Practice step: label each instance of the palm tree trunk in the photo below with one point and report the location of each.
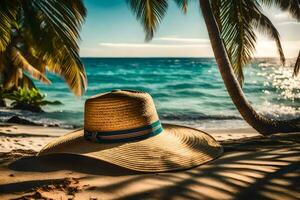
(2, 103)
(262, 124)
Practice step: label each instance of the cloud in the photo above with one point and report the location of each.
(162, 42)
(105, 44)
(268, 48)
(182, 47)
(285, 19)
(151, 45)
(159, 47)
(184, 40)
(290, 23)
(282, 16)
(112, 49)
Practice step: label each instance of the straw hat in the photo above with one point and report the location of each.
(123, 128)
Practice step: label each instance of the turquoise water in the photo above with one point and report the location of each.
(185, 90)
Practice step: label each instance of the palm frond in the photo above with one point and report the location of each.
(21, 62)
(8, 15)
(149, 13)
(291, 6)
(183, 5)
(216, 8)
(2, 65)
(71, 70)
(238, 21)
(11, 75)
(297, 66)
(26, 82)
(55, 41)
(238, 35)
(266, 27)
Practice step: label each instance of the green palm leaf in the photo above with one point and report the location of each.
(266, 27)
(21, 62)
(8, 16)
(216, 8)
(183, 4)
(47, 34)
(149, 13)
(238, 35)
(238, 21)
(26, 82)
(10, 75)
(55, 40)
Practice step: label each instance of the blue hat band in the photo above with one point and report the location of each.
(124, 135)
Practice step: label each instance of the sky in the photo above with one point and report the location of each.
(111, 30)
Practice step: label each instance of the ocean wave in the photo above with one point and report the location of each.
(49, 119)
(266, 64)
(184, 90)
(196, 117)
(72, 119)
(280, 112)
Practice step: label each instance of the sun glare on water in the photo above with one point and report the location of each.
(284, 101)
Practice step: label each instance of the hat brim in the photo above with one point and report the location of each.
(176, 148)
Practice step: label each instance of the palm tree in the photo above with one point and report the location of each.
(237, 22)
(297, 65)
(41, 35)
(240, 19)
(230, 25)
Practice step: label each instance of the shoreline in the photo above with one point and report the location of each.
(199, 121)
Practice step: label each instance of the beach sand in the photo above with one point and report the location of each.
(252, 167)
(15, 136)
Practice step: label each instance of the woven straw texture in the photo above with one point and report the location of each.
(176, 148)
(119, 110)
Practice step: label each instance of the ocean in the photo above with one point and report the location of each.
(186, 91)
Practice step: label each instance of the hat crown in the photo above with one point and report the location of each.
(119, 110)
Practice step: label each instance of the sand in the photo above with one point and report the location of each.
(252, 167)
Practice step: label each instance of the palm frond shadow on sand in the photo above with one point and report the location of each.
(260, 168)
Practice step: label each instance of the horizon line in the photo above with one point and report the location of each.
(124, 57)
